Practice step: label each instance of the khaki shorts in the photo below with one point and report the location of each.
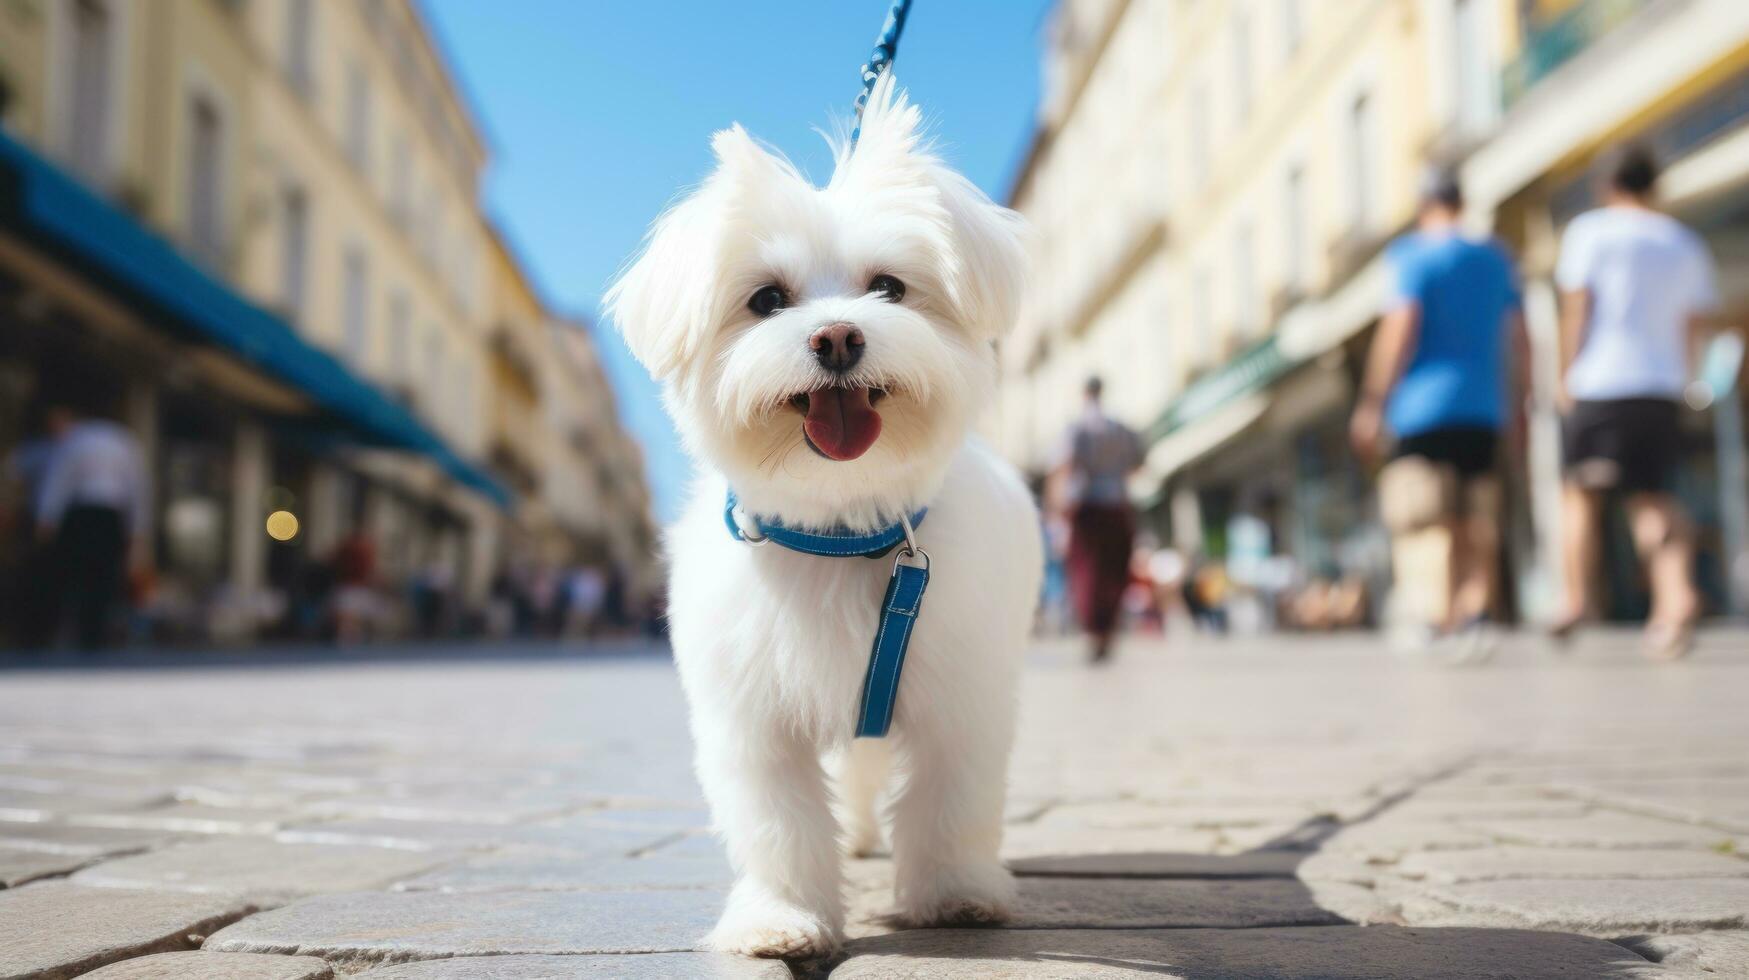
(1416, 493)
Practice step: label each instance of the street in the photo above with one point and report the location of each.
(1267, 807)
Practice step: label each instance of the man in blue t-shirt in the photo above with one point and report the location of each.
(1437, 379)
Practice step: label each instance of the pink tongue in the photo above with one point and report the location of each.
(841, 423)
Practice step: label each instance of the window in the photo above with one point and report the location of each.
(1202, 308)
(355, 316)
(400, 338)
(1292, 29)
(400, 179)
(1361, 146)
(92, 42)
(1294, 230)
(1199, 134)
(434, 356)
(1241, 42)
(298, 32)
(427, 230)
(204, 194)
(358, 116)
(1474, 96)
(1246, 309)
(294, 243)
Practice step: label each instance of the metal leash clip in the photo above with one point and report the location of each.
(910, 550)
(749, 528)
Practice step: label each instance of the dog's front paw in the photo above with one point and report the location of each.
(980, 894)
(772, 929)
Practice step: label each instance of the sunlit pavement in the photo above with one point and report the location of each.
(1263, 807)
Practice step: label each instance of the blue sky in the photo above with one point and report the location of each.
(599, 113)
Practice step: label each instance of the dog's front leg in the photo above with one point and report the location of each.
(947, 829)
(767, 793)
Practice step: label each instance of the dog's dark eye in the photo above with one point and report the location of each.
(891, 290)
(768, 300)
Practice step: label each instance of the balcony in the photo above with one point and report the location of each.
(1549, 45)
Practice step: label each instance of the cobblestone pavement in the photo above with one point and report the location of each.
(1262, 808)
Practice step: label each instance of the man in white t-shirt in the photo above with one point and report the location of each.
(1635, 285)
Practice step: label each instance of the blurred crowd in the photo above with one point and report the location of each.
(1441, 407)
(74, 543)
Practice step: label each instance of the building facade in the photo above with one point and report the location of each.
(1213, 183)
(329, 326)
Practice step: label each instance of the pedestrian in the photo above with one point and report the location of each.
(1437, 381)
(1099, 455)
(586, 596)
(1636, 287)
(356, 607)
(31, 594)
(92, 509)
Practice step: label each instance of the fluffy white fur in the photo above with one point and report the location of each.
(772, 645)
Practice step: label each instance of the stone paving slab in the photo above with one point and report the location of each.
(19, 867)
(1603, 830)
(1514, 861)
(1720, 803)
(215, 966)
(419, 835)
(493, 809)
(1124, 903)
(1390, 840)
(1417, 808)
(689, 846)
(370, 926)
(568, 872)
(52, 929)
(263, 871)
(676, 819)
(1036, 840)
(1133, 815)
(1255, 864)
(30, 806)
(107, 782)
(1609, 907)
(1326, 953)
(648, 966)
(1721, 955)
(191, 818)
(56, 838)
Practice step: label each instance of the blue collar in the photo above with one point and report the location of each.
(898, 609)
(835, 542)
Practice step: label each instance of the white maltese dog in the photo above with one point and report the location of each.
(824, 352)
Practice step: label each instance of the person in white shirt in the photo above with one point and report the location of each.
(92, 505)
(1636, 286)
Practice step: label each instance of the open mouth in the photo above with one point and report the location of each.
(839, 423)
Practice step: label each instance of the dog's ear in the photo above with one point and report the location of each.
(990, 245)
(664, 303)
(661, 302)
(893, 161)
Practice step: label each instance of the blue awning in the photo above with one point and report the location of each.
(58, 213)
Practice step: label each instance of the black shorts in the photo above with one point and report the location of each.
(1469, 450)
(1629, 444)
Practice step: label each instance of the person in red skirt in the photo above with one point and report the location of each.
(1098, 456)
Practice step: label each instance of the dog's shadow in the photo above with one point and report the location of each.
(1211, 917)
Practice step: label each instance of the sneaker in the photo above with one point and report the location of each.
(1475, 642)
(1667, 642)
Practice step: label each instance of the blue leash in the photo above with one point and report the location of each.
(899, 607)
(885, 50)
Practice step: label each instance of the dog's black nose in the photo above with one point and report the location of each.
(837, 346)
